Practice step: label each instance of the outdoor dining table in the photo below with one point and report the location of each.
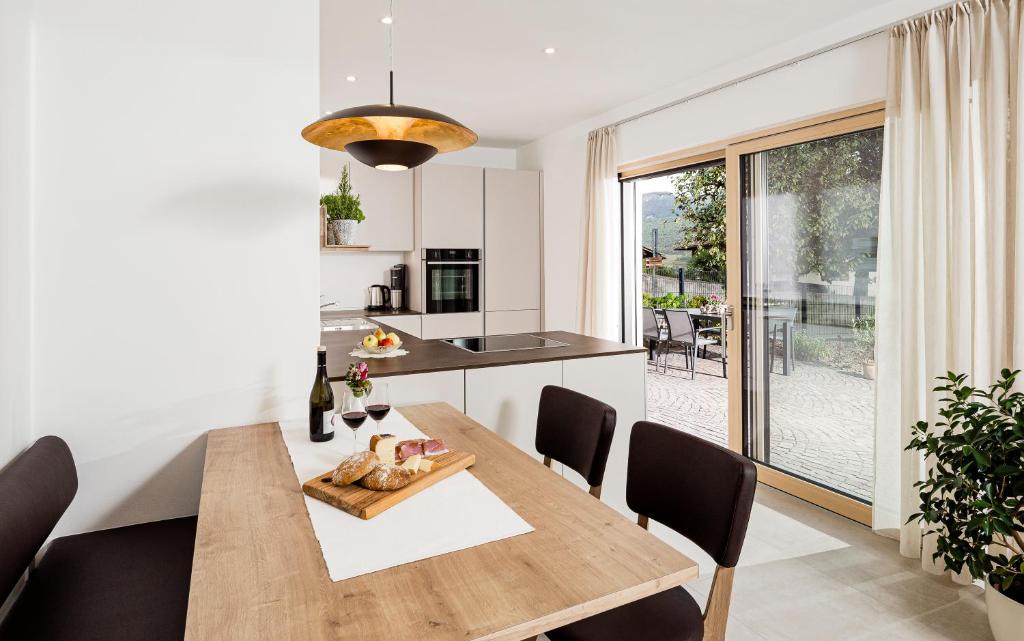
(258, 571)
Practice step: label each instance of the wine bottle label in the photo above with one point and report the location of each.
(329, 422)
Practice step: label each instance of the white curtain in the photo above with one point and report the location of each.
(600, 253)
(951, 233)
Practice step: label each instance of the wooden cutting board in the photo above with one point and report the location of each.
(366, 504)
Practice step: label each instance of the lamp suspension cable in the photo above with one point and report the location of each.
(391, 52)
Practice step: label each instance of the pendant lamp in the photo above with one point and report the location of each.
(389, 137)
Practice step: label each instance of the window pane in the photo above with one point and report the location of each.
(810, 225)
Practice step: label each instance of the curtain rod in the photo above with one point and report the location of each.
(776, 67)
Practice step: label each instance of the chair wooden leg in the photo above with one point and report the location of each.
(641, 520)
(547, 461)
(716, 614)
(595, 491)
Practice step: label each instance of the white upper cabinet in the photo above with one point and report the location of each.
(387, 201)
(451, 207)
(512, 254)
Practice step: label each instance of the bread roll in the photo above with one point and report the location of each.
(387, 477)
(354, 468)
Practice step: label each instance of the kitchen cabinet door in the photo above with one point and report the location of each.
(520, 321)
(452, 325)
(506, 400)
(451, 207)
(409, 324)
(387, 201)
(512, 253)
(619, 381)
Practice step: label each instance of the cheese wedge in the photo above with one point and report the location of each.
(383, 446)
(413, 463)
(426, 465)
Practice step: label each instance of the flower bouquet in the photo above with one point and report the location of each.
(357, 379)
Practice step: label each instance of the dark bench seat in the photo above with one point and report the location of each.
(124, 584)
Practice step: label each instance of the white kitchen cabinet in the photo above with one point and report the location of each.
(387, 201)
(512, 243)
(452, 325)
(411, 389)
(410, 324)
(505, 400)
(620, 382)
(450, 203)
(520, 321)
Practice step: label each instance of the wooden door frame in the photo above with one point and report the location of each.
(842, 122)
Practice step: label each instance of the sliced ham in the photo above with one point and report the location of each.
(434, 447)
(405, 449)
(425, 447)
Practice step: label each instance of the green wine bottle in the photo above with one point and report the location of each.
(321, 402)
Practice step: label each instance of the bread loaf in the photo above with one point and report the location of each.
(354, 468)
(387, 477)
(384, 446)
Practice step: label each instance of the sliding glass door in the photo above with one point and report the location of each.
(805, 215)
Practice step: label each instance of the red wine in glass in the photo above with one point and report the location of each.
(354, 419)
(378, 412)
(379, 403)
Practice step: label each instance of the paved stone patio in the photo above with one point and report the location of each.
(822, 423)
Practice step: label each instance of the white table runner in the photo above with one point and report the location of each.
(456, 513)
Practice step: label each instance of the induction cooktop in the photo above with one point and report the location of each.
(503, 343)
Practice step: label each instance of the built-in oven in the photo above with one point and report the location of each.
(451, 280)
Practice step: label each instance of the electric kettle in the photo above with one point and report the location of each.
(380, 298)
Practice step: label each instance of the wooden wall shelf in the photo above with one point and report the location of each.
(345, 248)
(324, 247)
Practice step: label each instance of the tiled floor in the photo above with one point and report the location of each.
(808, 575)
(834, 447)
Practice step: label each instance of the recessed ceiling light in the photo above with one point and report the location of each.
(549, 50)
(387, 19)
(350, 78)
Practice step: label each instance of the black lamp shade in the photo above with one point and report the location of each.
(391, 154)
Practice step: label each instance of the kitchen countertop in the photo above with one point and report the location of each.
(362, 313)
(437, 356)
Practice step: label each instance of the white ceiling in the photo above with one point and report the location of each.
(482, 62)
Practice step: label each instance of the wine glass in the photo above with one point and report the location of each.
(379, 403)
(353, 413)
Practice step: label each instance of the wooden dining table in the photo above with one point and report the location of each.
(258, 571)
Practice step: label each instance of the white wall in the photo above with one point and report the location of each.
(344, 278)
(846, 76)
(15, 229)
(175, 246)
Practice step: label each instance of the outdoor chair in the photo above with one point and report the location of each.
(683, 338)
(654, 334)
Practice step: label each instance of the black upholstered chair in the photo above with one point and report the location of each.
(123, 584)
(701, 491)
(577, 431)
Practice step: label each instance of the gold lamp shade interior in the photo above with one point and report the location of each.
(389, 122)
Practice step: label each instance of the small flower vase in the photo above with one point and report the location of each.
(344, 231)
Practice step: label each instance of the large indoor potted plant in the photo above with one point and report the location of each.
(973, 497)
(343, 210)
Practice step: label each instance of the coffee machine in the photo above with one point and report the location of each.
(398, 275)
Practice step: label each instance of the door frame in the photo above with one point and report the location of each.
(823, 125)
(842, 122)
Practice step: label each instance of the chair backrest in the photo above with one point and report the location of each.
(576, 430)
(35, 490)
(680, 325)
(651, 323)
(697, 488)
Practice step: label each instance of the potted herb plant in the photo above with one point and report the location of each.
(973, 498)
(864, 331)
(343, 209)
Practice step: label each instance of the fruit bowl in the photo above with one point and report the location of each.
(378, 349)
(380, 343)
